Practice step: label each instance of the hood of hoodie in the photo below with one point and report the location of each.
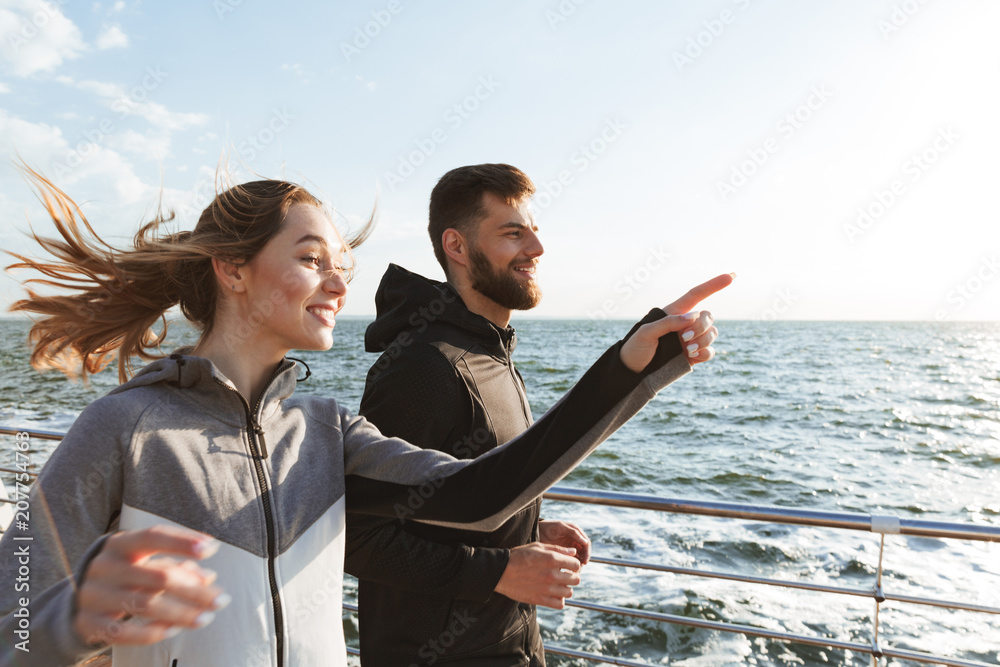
(203, 382)
(408, 302)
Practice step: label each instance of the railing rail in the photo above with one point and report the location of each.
(879, 524)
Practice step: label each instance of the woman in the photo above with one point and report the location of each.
(206, 455)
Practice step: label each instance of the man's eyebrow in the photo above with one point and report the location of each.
(518, 225)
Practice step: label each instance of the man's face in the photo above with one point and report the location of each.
(504, 253)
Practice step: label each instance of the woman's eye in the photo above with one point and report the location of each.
(311, 258)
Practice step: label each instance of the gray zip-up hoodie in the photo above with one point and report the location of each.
(178, 445)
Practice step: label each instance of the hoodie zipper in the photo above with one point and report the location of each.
(258, 451)
(517, 383)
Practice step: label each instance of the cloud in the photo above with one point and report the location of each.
(37, 37)
(50, 152)
(112, 37)
(144, 146)
(126, 102)
(4, 88)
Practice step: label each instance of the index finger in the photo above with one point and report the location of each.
(135, 545)
(696, 295)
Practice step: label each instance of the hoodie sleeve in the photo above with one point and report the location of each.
(399, 397)
(43, 557)
(388, 477)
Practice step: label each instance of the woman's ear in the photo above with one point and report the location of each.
(229, 276)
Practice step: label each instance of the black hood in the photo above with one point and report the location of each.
(406, 301)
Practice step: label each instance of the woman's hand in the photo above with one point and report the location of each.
(129, 597)
(695, 328)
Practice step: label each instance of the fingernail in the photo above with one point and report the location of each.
(172, 632)
(687, 335)
(206, 548)
(204, 618)
(733, 275)
(692, 349)
(222, 601)
(689, 316)
(211, 575)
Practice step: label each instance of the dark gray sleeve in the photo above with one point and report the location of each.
(388, 477)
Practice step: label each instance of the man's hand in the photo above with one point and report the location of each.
(695, 328)
(537, 574)
(565, 534)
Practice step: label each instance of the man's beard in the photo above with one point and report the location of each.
(501, 286)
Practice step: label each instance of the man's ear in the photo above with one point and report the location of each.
(455, 246)
(229, 276)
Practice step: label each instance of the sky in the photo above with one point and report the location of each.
(841, 157)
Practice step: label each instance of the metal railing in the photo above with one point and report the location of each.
(878, 524)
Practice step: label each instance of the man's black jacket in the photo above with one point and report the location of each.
(444, 381)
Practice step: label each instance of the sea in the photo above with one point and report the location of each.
(869, 417)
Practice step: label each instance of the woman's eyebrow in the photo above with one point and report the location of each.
(314, 238)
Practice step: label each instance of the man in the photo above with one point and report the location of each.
(451, 385)
(445, 380)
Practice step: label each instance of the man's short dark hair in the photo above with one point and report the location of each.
(457, 199)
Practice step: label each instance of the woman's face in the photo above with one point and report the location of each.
(296, 285)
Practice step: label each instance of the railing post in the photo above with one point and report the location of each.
(879, 599)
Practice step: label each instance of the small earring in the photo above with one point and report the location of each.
(234, 288)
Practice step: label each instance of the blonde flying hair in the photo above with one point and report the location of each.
(116, 296)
